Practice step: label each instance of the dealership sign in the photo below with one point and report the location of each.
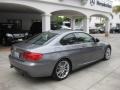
(104, 3)
(92, 2)
(83, 2)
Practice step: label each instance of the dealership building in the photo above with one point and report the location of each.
(116, 20)
(25, 12)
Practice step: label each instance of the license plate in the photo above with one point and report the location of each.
(16, 54)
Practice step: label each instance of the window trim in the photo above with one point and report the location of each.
(64, 37)
(75, 37)
(88, 35)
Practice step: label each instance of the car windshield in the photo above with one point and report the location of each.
(42, 38)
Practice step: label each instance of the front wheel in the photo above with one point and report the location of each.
(61, 70)
(107, 53)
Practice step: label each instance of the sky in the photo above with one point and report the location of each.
(116, 2)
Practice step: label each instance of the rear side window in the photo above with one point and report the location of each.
(68, 39)
(41, 38)
(83, 38)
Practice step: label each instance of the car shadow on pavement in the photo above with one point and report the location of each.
(4, 48)
(38, 80)
(33, 80)
(87, 66)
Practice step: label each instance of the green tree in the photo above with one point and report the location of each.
(66, 18)
(59, 20)
(116, 9)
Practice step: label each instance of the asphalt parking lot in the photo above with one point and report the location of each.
(104, 75)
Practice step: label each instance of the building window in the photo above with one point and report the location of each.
(17, 22)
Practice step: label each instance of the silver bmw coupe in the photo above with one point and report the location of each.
(57, 53)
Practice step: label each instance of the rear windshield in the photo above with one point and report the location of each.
(42, 38)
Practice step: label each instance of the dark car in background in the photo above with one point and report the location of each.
(10, 35)
(115, 30)
(99, 30)
(36, 28)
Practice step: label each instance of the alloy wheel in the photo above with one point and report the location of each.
(108, 54)
(62, 70)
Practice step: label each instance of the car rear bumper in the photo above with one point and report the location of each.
(32, 69)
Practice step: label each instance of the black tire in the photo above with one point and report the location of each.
(107, 54)
(55, 72)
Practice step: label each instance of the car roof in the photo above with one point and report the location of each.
(64, 31)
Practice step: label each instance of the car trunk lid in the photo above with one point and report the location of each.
(20, 48)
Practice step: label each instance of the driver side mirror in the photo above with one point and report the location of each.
(97, 40)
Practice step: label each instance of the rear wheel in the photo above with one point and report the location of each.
(62, 70)
(107, 54)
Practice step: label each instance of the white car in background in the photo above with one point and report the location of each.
(63, 27)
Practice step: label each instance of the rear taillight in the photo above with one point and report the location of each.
(30, 56)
